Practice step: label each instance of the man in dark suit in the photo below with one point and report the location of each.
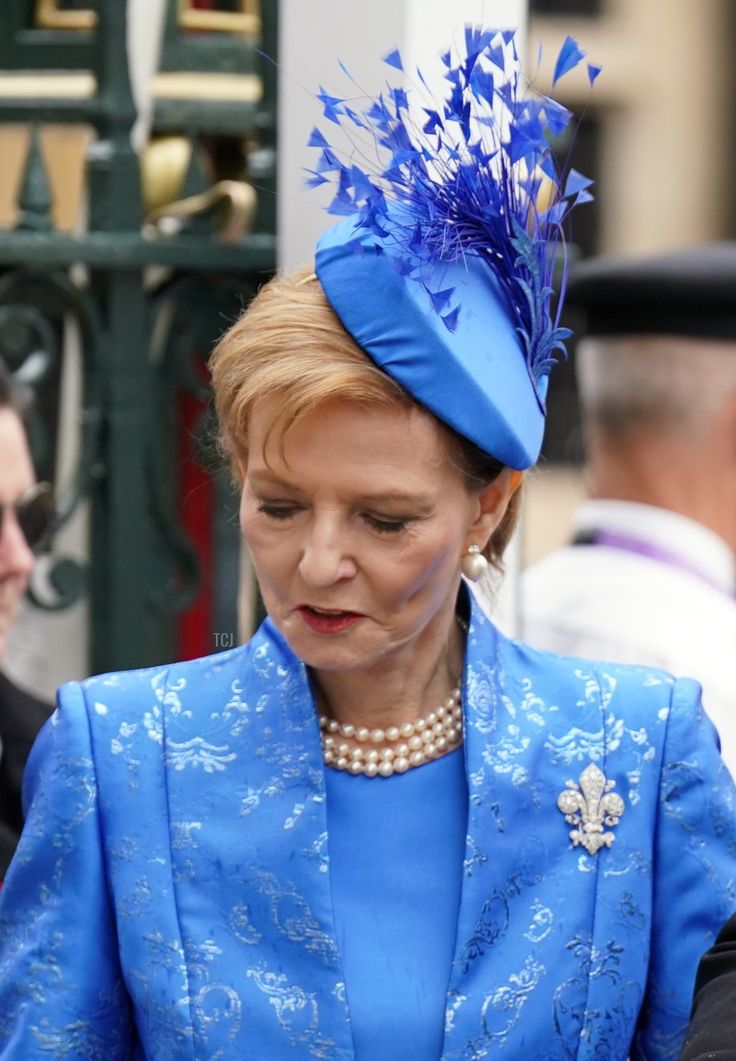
(21, 717)
(25, 514)
(712, 1035)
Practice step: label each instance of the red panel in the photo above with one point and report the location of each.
(196, 505)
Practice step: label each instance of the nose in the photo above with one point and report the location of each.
(16, 557)
(324, 560)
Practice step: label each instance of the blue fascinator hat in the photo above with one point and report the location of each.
(441, 266)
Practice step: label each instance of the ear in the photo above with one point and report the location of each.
(493, 500)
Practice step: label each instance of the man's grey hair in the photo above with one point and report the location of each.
(652, 381)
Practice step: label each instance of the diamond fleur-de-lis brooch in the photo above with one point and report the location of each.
(592, 808)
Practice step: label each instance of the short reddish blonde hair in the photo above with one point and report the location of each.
(289, 341)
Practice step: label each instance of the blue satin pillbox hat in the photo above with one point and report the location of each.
(474, 379)
(441, 266)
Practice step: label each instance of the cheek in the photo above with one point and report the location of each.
(274, 549)
(426, 568)
(263, 544)
(260, 534)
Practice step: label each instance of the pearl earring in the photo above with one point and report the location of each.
(474, 564)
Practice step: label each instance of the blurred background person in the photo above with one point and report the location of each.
(25, 510)
(648, 575)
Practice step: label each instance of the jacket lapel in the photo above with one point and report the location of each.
(258, 918)
(516, 980)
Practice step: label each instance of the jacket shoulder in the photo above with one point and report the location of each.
(635, 693)
(520, 653)
(213, 672)
(128, 705)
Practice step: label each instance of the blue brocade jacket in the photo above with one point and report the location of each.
(170, 898)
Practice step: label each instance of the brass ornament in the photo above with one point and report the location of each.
(163, 167)
(48, 15)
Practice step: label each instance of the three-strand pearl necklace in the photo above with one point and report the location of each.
(394, 750)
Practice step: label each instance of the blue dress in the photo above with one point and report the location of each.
(396, 855)
(172, 899)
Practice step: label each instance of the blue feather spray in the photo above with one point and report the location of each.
(470, 175)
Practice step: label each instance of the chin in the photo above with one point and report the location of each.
(341, 652)
(340, 663)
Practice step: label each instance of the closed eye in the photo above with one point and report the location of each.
(385, 526)
(277, 511)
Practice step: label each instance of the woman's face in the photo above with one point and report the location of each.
(356, 524)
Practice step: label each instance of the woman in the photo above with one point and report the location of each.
(379, 829)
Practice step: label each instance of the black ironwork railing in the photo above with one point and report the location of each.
(145, 301)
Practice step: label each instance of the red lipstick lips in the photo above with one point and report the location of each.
(328, 621)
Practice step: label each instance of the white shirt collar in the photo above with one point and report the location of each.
(685, 537)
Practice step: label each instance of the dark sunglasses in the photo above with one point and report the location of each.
(35, 512)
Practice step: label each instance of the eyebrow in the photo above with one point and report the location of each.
(267, 479)
(395, 497)
(398, 497)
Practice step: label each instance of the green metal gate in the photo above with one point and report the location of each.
(147, 300)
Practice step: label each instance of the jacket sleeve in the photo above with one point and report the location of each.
(694, 874)
(61, 989)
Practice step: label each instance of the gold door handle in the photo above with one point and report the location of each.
(238, 198)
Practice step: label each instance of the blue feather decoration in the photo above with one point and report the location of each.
(472, 174)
